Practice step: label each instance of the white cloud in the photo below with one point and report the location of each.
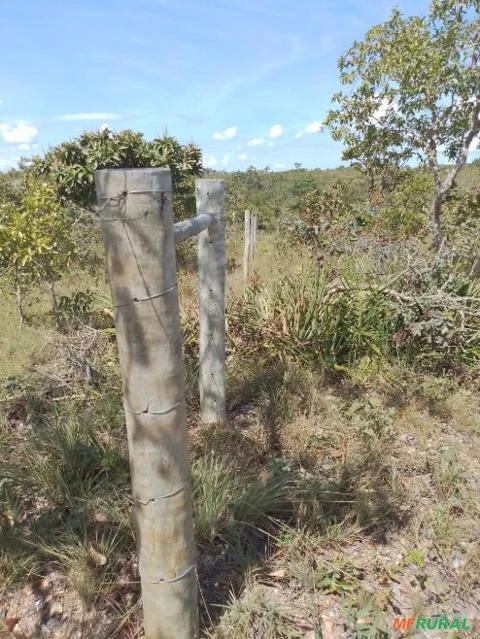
(243, 156)
(26, 147)
(386, 107)
(255, 142)
(21, 133)
(210, 161)
(227, 134)
(1, 101)
(276, 131)
(93, 115)
(474, 144)
(270, 143)
(278, 165)
(458, 101)
(313, 127)
(226, 159)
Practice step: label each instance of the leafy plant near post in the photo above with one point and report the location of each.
(42, 221)
(36, 241)
(414, 93)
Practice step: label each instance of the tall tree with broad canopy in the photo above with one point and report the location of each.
(46, 210)
(413, 95)
(71, 165)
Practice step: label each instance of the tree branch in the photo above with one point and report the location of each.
(431, 151)
(473, 131)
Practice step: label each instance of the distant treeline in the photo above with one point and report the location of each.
(273, 194)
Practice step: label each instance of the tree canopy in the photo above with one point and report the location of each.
(71, 165)
(413, 94)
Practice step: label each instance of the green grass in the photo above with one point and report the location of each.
(22, 346)
(18, 346)
(255, 615)
(328, 441)
(230, 502)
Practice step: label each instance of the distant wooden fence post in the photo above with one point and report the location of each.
(139, 235)
(210, 196)
(250, 239)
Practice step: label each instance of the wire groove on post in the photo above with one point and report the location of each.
(172, 494)
(146, 299)
(147, 411)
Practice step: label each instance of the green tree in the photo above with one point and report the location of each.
(247, 190)
(71, 165)
(36, 240)
(413, 94)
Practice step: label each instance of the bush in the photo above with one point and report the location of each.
(462, 228)
(324, 220)
(427, 315)
(71, 165)
(404, 213)
(309, 320)
(36, 240)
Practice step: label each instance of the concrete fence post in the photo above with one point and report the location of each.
(136, 215)
(210, 196)
(250, 235)
(247, 246)
(253, 240)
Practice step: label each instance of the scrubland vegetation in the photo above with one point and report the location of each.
(343, 490)
(344, 486)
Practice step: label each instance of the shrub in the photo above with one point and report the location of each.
(256, 615)
(311, 321)
(71, 165)
(429, 315)
(36, 241)
(404, 213)
(325, 220)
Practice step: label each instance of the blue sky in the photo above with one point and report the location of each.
(247, 80)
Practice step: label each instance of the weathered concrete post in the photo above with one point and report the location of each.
(253, 239)
(210, 196)
(139, 236)
(247, 250)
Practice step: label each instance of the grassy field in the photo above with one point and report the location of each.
(342, 491)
